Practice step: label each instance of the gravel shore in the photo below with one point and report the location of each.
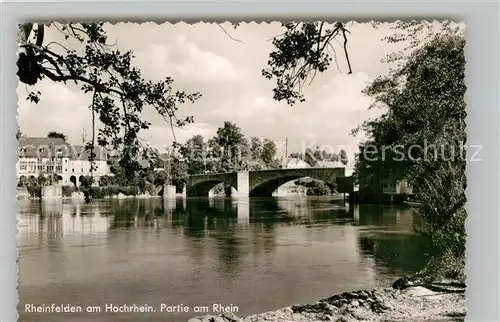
(414, 303)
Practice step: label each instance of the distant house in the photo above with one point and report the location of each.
(398, 187)
(49, 156)
(295, 163)
(329, 164)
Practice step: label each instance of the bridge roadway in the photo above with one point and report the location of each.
(264, 182)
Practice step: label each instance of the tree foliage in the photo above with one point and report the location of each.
(233, 145)
(421, 137)
(312, 157)
(268, 155)
(194, 152)
(304, 49)
(120, 93)
(256, 148)
(56, 135)
(229, 150)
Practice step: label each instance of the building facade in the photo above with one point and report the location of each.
(54, 156)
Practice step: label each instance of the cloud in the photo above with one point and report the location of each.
(161, 137)
(61, 109)
(337, 108)
(185, 59)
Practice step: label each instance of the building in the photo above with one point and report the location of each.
(398, 187)
(48, 156)
(335, 164)
(329, 164)
(295, 163)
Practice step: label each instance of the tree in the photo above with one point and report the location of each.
(425, 108)
(255, 148)
(317, 154)
(309, 157)
(178, 172)
(214, 156)
(343, 157)
(268, 152)
(23, 181)
(119, 91)
(194, 152)
(233, 146)
(56, 135)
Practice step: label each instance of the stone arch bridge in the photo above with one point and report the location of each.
(259, 183)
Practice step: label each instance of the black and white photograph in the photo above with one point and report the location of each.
(283, 171)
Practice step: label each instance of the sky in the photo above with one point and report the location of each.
(203, 58)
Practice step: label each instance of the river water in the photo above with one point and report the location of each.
(249, 255)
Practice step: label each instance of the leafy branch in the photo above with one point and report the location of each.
(120, 92)
(300, 52)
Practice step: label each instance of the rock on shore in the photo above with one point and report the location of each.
(415, 303)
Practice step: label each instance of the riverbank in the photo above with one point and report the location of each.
(417, 303)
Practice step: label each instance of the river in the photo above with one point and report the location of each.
(250, 255)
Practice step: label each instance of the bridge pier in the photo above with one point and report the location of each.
(169, 191)
(243, 184)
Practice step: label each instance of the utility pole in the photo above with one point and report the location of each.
(167, 169)
(286, 147)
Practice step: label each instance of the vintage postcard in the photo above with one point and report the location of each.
(307, 171)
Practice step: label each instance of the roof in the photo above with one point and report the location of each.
(80, 153)
(33, 147)
(329, 164)
(297, 163)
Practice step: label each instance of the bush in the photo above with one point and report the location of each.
(110, 191)
(67, 191)
(314, 187)
(219, 189)
(443, 198)
(106, 181)
(34, 190)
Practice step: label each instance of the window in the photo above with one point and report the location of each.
(59, 168)
(73, 170)
(22, 168)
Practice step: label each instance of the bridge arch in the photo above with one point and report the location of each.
(264, 183)
(200, 185)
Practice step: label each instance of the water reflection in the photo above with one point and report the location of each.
(259, 254)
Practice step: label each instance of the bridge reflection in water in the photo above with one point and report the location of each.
(259, 253)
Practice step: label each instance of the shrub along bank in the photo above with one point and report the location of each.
(97, 192)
